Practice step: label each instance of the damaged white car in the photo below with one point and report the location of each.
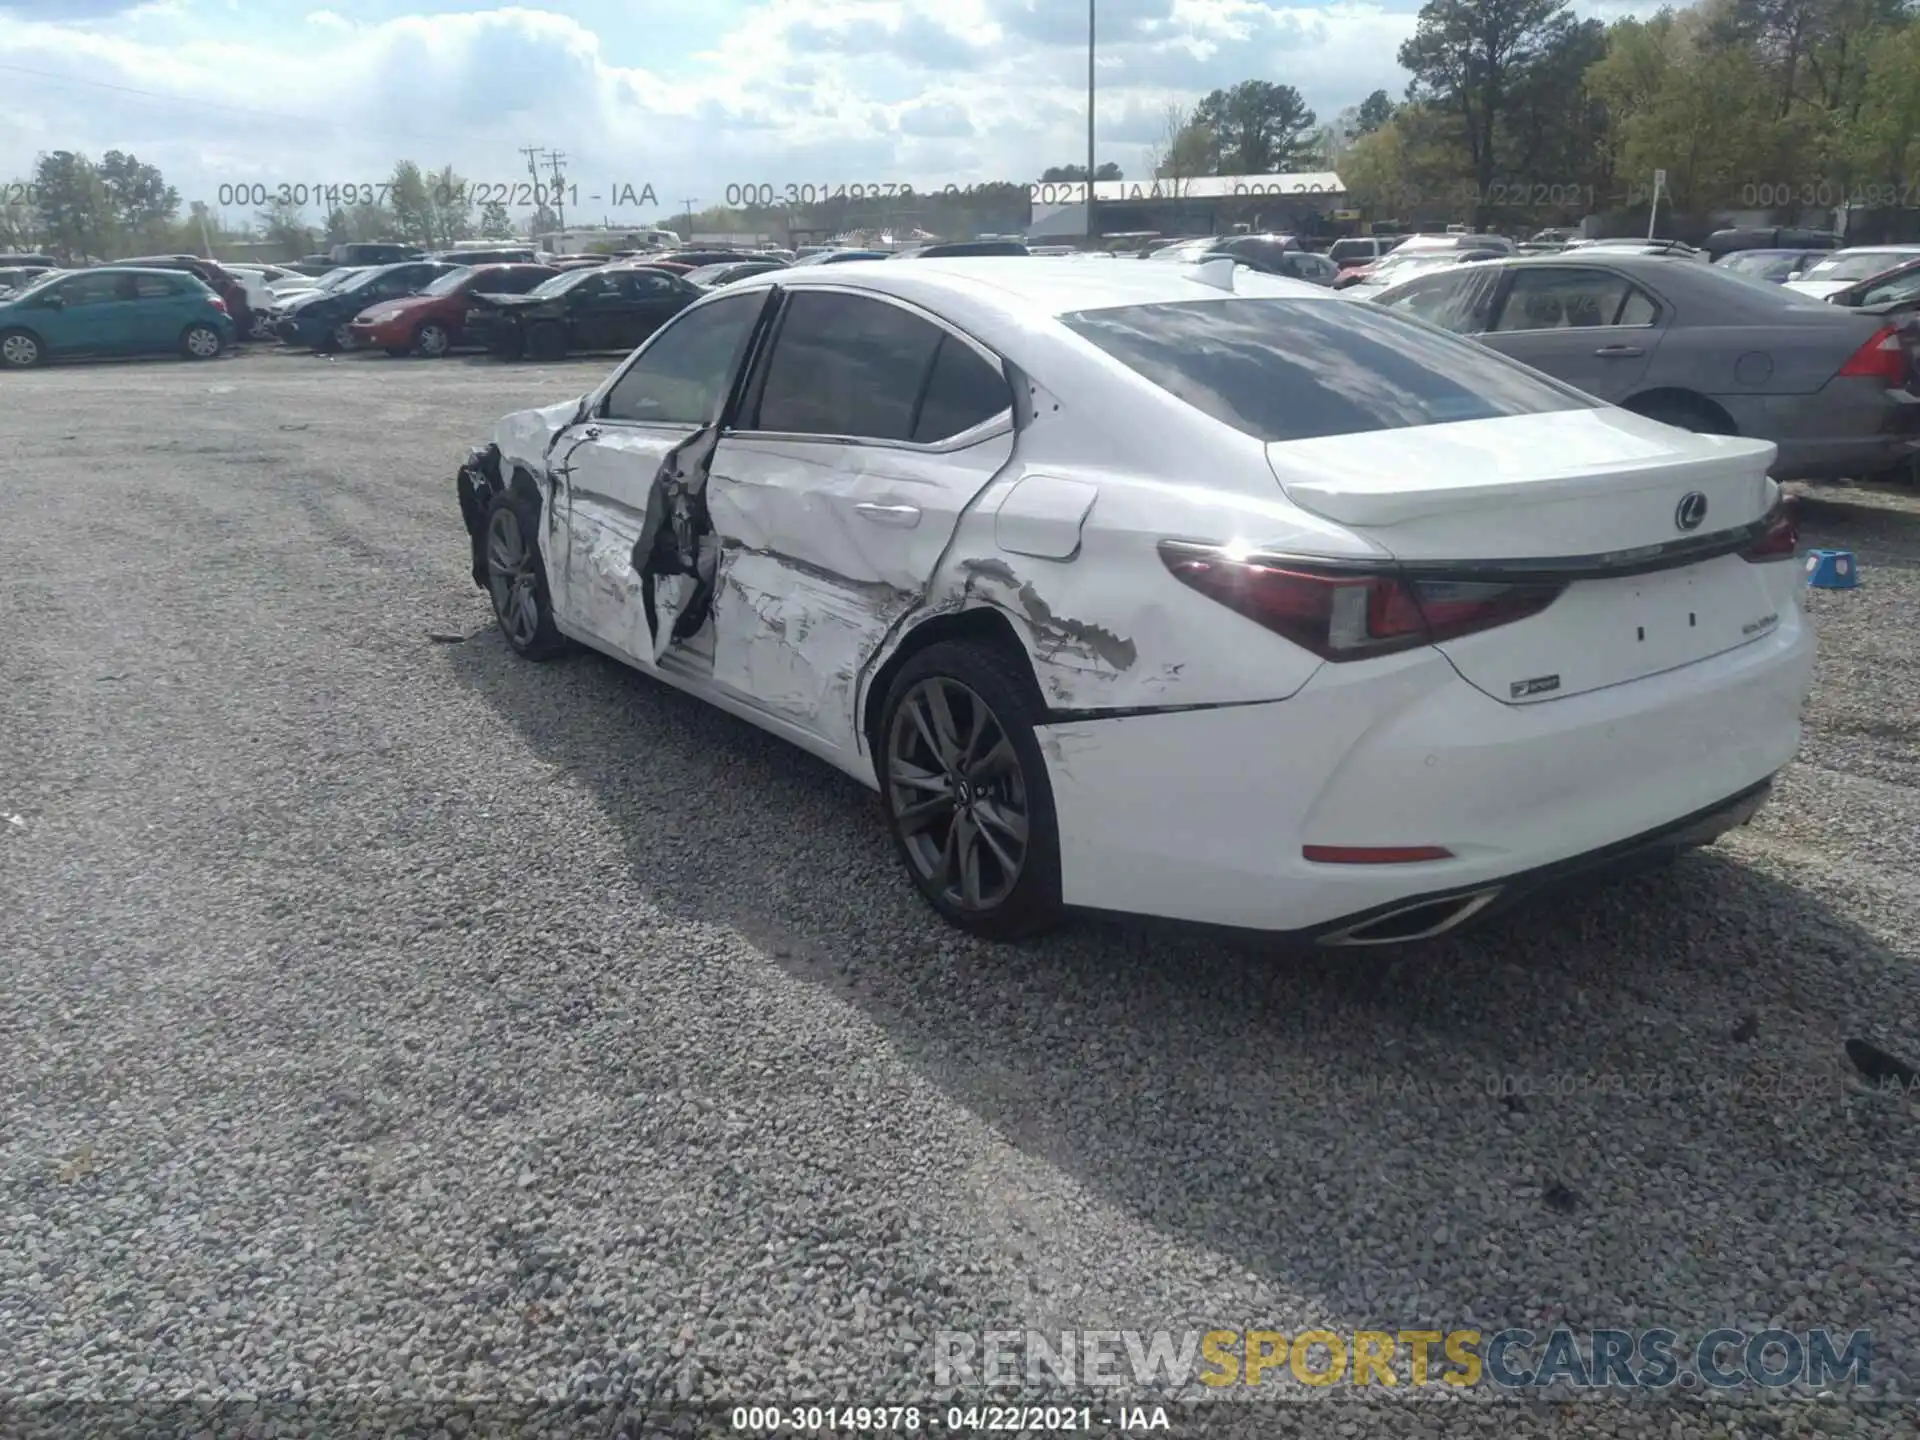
(1171, 590)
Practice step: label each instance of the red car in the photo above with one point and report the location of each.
(430, 323)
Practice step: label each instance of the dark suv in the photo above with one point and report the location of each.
(211, 273)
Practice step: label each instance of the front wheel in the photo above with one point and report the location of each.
(260, 327)
(432, 340)
(20, 351)
(200, 342)
(966, 791)
(516, 579)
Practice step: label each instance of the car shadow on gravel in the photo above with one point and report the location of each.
(1582, 1111)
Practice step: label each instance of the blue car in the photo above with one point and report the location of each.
(322, 320)
(74, 313)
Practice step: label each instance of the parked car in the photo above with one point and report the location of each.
(711, 277)
(371, 253)
(1637, 245)
(323, 319)
(1726, 242)
(12, 277)
(841, 257)
(1693, 346)
(1397, 268)
(1772, 266)
(260, 301)
(211, 273)
(692, 259)
(948, 249)
(1892, 291)
(1226, 631)
(433, 322)
(613, 308)
(1456, 246)
(1356, 251)
(1835, 272)
(489, 255)
(112, 311)
(23, 259)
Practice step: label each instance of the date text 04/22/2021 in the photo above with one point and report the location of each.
(260, 194)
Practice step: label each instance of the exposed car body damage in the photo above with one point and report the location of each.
(1071, 605)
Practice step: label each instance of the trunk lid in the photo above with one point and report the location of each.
(1595, 493)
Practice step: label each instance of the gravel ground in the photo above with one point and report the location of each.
(386, 1021)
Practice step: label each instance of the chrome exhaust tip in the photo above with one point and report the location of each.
(1422, 920)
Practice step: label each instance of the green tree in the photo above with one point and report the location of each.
(1375, 111)
(18, 223)
(1070, 173)
(143, 205)
(284, 226)
(409, 194)
(495, 222)
(545, 222)
(1885, 138)
(1468, 57)
(339, 228)
(1262, 128)
(75, 210)
(450, 208)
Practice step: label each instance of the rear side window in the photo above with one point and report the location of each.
(962, 391)
(1454, 301)
(847, 365)
(1302, 369)
(1562, 298)
(154, 287)
(680, 378)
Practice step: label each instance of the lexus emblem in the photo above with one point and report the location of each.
(1691, 511)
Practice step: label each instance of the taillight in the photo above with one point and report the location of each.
(219, 304)
(1882, 358)
(1352, 615)
(1780, 540)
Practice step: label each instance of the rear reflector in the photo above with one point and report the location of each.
(1780, 540)
(1881, 358)
(1352, 614)
(1373, 854)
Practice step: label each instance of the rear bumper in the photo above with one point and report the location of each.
(1201, 815)
(1852, 428)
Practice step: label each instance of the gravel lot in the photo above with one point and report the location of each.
(383, 1016)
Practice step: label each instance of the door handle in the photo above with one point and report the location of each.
(1619, 352)
(903, 516)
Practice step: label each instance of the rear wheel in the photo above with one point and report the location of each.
(547, 342)
(20, 351)
(516, 579)
(966, 792)
(200, 342)
(260, 326)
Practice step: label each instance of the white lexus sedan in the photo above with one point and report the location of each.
(1169, 589)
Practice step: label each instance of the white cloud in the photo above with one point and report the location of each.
(836, 91)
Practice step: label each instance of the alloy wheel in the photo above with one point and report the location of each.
(433, 341)
(511, 579)
(958, 794)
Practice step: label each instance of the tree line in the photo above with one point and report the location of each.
(1517, 112)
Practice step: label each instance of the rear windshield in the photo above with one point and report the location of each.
(1857, 266)
(1301, 369)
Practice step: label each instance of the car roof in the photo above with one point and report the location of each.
(1010, 288)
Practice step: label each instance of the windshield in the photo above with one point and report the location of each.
(39, 283)
(563, 282)
(1303, 369)
(449, 282)
(1859, 265)
(1396, 268)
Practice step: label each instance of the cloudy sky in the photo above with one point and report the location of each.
(688, 96)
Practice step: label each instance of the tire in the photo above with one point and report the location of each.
(547, 342)
(21, 351)
(432, 341)
(1682, 413)
(1002, 789)
(261, 326)
(201, 342)
(507, 345)
(517, 579)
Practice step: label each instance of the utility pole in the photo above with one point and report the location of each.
(689, 204)
(533, 154)
(1092, 231)
(559, 183)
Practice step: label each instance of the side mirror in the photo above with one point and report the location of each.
(1795, 274)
